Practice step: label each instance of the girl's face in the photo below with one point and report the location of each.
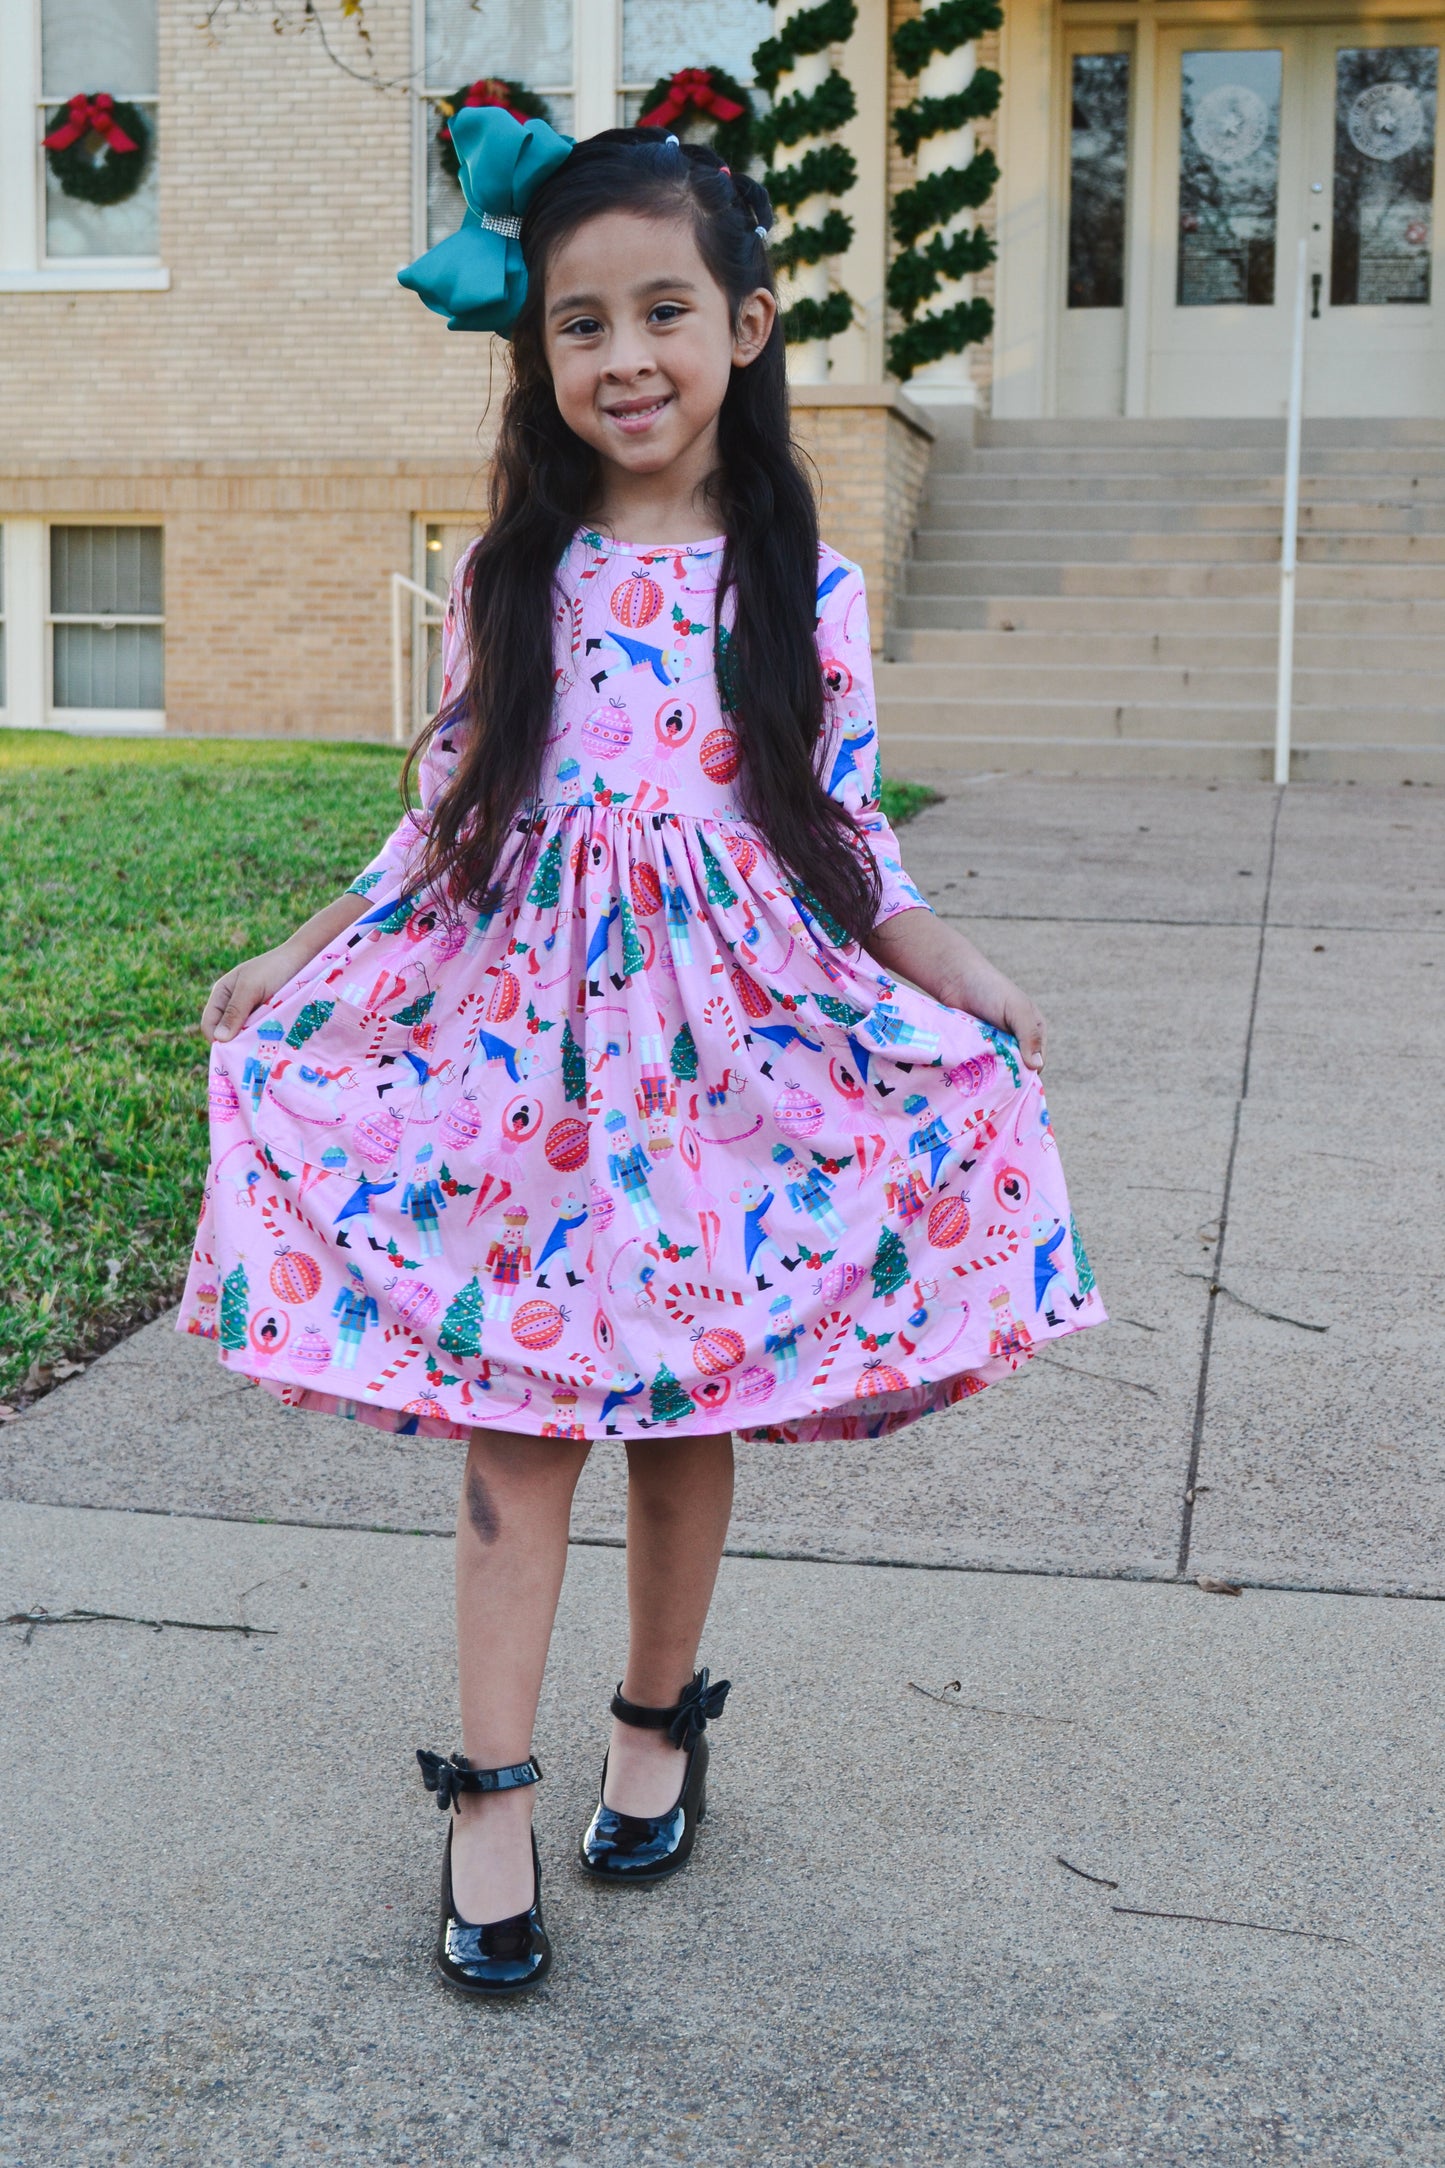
(640, 339)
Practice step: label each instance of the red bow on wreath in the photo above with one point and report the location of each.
(88, 115)
(487, 90)
(691, 87)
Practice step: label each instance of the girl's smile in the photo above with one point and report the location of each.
(641, 342)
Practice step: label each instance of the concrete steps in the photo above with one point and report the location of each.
(1102, 598)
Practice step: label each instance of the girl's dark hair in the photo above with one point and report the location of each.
(544, 487)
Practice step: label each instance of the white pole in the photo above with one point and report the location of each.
(1290, 539)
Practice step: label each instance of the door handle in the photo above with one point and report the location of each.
(1317, 280)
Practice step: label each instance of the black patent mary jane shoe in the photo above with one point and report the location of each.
(642, 1848)
(498, 1957)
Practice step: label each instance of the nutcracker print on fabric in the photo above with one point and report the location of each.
(645, 1150)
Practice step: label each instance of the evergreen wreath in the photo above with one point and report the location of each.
(98, 147)
(514, 98)
(705, 93)
(827, 169)
(916, 273)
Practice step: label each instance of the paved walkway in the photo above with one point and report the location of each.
(221, 1868)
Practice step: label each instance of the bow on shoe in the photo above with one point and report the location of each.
(476, 278)
(444, 1777)
(695, 1705)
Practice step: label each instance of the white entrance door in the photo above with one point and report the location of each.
(1266, 135)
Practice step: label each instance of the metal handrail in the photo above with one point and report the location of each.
(400, 583)
(1289, 542)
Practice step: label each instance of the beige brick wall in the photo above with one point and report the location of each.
(871, 461)
(286, 411)
(285, 204)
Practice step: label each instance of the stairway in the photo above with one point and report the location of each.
(1102, 598)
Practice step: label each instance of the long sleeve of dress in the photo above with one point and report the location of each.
(387, 872)
(852, 772)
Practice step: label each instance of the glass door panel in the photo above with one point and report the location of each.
(1384, 180)
(1229, 110)
(1091, 344)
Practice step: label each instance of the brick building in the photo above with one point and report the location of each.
(225, 432)
(224, 427)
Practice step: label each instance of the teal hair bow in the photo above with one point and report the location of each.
(476, 278)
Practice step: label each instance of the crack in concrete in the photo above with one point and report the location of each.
(1196, 1437)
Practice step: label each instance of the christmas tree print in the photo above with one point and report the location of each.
(890, 1266)
(546, 887)
(309, 1019)
(839, 1011)
(633, 959)
(720, 890)
(461, 1333)
(836, 934)
(235, 1301)
(1087, 1282)
(574, 1068)
(364, 883)
(415, 1011)
(669, 1402)
(1003, 1046)
(397, 916)
(683, 1058)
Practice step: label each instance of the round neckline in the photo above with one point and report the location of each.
(613, 547)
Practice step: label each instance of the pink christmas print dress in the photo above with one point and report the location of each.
(647, 1150)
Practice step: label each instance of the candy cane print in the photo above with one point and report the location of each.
(409, 1353)
(485, 1195)
(865, 1164)
(269, 1206)
(1005, 1241)
(682, 1292)
(837, 1322)
(720, 1008)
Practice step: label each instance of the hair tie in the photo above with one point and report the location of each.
(761, 232)
(672, 143)
(727, 170)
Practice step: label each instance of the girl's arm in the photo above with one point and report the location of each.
(907, 940)
(239, 992)
(246, 986)
(915, 945)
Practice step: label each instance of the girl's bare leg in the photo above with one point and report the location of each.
(511, 1555)
(679, 1498)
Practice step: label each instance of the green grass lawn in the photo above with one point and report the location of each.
(131, 874)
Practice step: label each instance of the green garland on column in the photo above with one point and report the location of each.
(916, 273)
(829, 169)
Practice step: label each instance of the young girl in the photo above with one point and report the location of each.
(631, 1091)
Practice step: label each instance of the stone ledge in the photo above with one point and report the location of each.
(892, 397)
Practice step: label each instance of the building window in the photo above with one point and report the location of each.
(522, 41)
(112, 47)
(51, 51)
(107, 621)
(1098, 179)
(660, 36)
(1228, 178)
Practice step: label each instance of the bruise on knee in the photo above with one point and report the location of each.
(481, 1510)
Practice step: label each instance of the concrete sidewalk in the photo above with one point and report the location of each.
(222, 1867)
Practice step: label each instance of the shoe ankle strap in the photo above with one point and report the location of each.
(453, 1775)
(686, 1720)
